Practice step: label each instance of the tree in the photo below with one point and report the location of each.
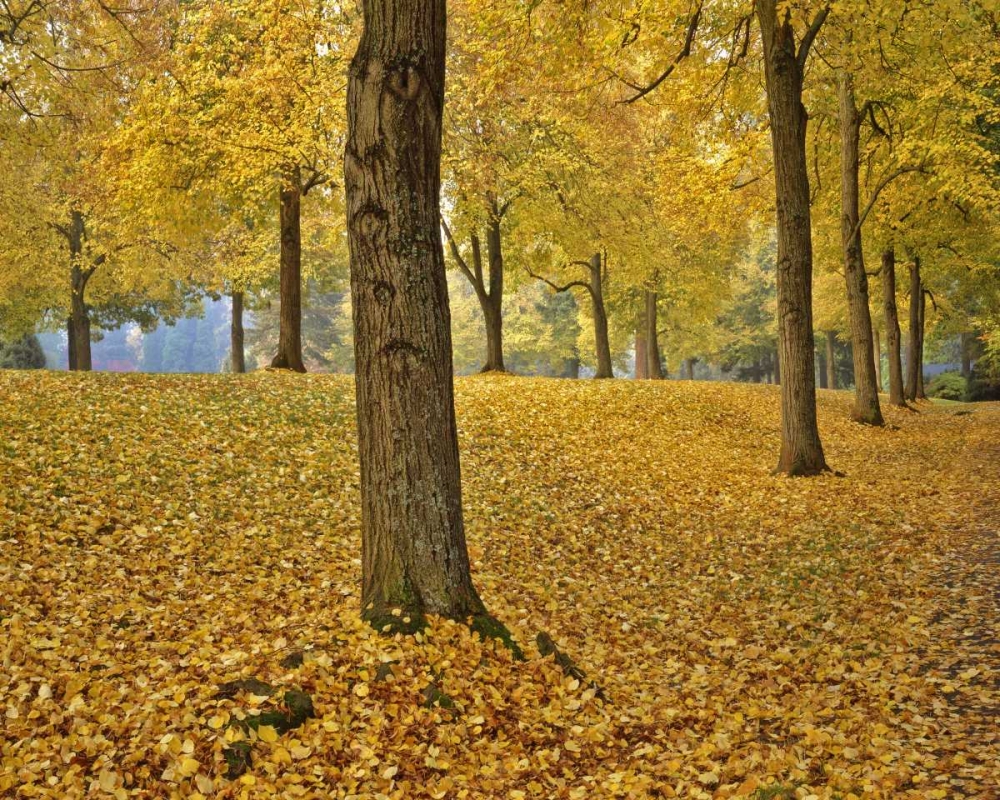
(414, 555)
(784, 66)
(23, 353)
(893, 338)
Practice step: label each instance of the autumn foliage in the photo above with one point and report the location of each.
(180, 568)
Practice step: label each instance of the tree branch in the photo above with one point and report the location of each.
(810, 36)
(453, 246)
(564, 288)
(685, 51)
(882, 184)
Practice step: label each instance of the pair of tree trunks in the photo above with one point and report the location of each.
(897, 396)
(654, 365)
(866, 408)
(237, 354)
(289, 355)
(414, 557)
(784, 64)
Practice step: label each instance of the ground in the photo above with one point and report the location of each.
(752, 635)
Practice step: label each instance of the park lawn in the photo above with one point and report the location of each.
(751, 635)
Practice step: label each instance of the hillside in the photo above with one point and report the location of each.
(835, 636)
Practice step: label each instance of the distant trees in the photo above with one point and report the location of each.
(23, 353)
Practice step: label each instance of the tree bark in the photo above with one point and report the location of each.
(866, 404)
(237, 354)
(70, 345)
(777, 367)
(897, 396)
(822, 370)
(289, 355)
(602, 341)
(801, 449)
(414, 555)
(81, 358)
(877, 340)
(689, 368)
(641, 365)
(493, 300)
(831, 360)
(913, 356)
(654, 367)
(921, 395)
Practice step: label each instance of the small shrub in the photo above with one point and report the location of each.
(23, 353)
(947, 386)
(981, 387)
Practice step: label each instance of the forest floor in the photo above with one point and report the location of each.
(753, 636)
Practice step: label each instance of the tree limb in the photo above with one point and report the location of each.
(810, 36)
(685, 51)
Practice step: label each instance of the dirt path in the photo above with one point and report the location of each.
(966, 655)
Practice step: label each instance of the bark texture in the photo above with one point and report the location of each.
(414, 554)
(877, 339)
(866, 404)
(897, 396)
(801, 449)
(237, 356)
(641, 373)
(289, 355)
(914, 358)
(654, 366)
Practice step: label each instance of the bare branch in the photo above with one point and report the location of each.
(685, 51)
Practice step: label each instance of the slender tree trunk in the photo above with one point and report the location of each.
(801, 449)
(236, 352)
(689, 367)
(921, 395)
(654, 368)
(866, 404)
(831, 360)
(966, 345)
(289, 354)
(602, 341)
(821, 368)
(414, 554)
(70, 345)
(877, 339)
(897, 396)
(641, 365)
(493, 306)
(81, 359)
(913, 360)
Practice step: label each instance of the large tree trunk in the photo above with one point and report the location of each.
(866, 405)
(777, 367)
(892, 334)
(80, 359)
(877, 339)
(801, 449)
(601, 339)
(414, 554)
(289, 355)
(70, 345)
(831, 360)
(913, 357)
(654, 368)
(237, 355)
(492, 302)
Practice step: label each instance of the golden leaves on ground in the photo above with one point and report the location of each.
(163, 536)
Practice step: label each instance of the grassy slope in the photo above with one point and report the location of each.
(163, 534)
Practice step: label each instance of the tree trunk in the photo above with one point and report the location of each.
(289, 354)
(602, 341)
(777, 367)
(689, 368)
(892, 334)
(966, 345)
(801, 449)
(654, 368)
(641, 365)
(913, 359)
(877, 339)
(414, 555)
(866, 405)
(831, 360)
(236, 351)
(921, 395)
(492, 303)
(81, 359)
(70, 345)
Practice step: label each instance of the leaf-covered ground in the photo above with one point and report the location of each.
(754, 635)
